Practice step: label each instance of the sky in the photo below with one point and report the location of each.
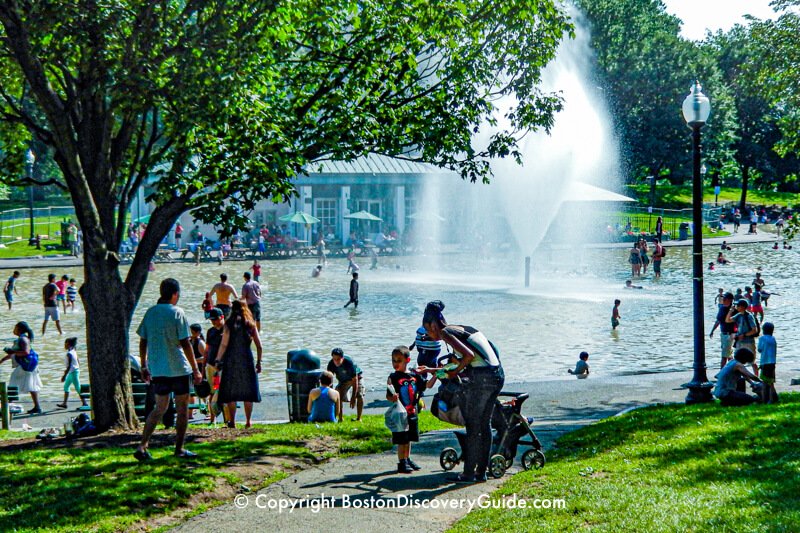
(699, 15)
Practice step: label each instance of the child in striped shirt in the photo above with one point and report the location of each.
(72, 294)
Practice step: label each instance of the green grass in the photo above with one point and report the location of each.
(23, 249)
(104, 488)
(680, 197)
(668, 468)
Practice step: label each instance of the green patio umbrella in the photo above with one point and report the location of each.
(363, 215)
(299, 217)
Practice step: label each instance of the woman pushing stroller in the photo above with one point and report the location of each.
(481, 366)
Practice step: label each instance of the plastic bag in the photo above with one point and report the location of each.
(396, 418)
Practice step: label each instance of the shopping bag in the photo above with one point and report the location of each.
(396, 418)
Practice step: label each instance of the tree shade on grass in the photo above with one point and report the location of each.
(102, 487)
(665, 468)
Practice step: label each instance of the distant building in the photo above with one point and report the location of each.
(388, 188)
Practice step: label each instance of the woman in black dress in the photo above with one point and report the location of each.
(239, 377)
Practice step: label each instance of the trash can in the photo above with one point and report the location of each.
(302, 375)
(683, 231)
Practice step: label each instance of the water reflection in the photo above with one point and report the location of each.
(539, 330)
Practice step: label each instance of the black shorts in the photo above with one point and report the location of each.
(768, 373)
(412, 435)
(255, 310)
(178, 385)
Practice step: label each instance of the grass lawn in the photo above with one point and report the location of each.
(22, 249)
(95, 484)
(680, 197)
(667, 468)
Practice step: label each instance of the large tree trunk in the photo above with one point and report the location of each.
(745, 181)
(109, 306)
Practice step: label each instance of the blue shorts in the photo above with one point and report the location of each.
(9, 296)
(61, 297)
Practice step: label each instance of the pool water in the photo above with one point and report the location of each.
(539, 330)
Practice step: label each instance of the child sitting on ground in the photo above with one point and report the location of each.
(407, 387)
(581, 367)
(72, 374)
(768, 349)
(324, 403)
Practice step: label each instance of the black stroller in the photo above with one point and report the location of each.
(509, 428)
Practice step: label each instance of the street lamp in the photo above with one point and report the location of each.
(696, 109)
(30, 159)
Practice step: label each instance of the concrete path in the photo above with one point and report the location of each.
(341, 485)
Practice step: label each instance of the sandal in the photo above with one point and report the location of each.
(185, 454)
(61, 405)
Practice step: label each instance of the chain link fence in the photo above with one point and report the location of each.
(15, 224)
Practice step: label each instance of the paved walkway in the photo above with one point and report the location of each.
(559, 406)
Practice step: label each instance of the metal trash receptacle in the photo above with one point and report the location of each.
(302, 375)
(683, 231)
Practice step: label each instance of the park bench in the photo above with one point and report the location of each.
(139, 392)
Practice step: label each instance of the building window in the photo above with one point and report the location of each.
(325, 209)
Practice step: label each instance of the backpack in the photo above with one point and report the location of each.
(28, 362)
(663, 251)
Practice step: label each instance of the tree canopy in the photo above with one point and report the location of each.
(646, 67)
(224, 99)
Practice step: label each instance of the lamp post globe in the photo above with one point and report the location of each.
(30, 159)
(696, 110)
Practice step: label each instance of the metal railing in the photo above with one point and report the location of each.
(15, 223)
(640, 219)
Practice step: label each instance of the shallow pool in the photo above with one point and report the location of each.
(539, 330)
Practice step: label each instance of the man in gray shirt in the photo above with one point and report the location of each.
(164, 337)
(251, 294)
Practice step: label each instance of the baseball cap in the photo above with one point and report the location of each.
(215, 313)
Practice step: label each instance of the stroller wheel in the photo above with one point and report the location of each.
(448, 459)
(497, 466)
(532, 459)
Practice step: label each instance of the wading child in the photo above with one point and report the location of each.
(755, 304)
(72, 294)
(353, 291)
(768, 348)
(208, 305)
(62, 292)
(615, 316)
(256, 268)
(718, 297)
(581, 367)
(72, 374)
(407, 387)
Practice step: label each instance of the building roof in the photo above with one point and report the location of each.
(374, 164)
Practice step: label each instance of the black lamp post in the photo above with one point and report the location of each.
(30, 159)
(696, 109)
